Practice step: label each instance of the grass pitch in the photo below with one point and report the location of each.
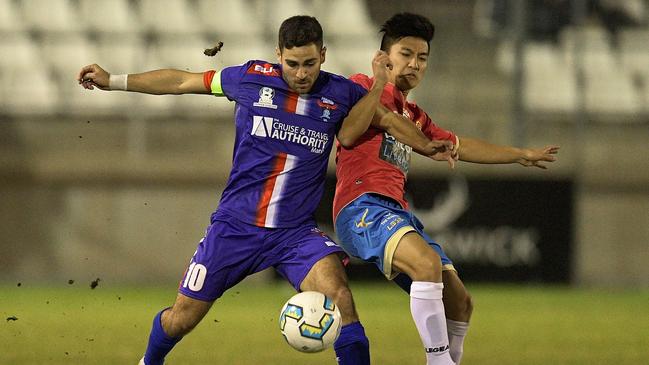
(72, 324)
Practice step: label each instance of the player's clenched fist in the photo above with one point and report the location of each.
(380, 66)
(93, 75)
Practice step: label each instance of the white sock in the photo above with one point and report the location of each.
(456, 333)
(428, 312)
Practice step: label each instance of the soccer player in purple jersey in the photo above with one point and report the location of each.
(286, 116)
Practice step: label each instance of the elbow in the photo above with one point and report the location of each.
(346, 141)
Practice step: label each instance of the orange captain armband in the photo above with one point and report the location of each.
(207, 79)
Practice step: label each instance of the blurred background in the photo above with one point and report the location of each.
(120, 186)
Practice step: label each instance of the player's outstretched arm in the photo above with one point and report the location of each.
(406, 132)
(360, 116)
(157, 82)
(475, 150)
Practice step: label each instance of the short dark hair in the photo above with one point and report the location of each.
(298, 31)
(406, 25)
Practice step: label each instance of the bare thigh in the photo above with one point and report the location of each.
(414, 257)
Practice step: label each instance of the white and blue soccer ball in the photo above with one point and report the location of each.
(310, 321)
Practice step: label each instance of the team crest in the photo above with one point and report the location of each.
(327, 106)
(326, 115)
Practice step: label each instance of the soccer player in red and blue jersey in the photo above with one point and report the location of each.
(286, 117)
(371, 214)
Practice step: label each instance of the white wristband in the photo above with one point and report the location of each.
(118, 82)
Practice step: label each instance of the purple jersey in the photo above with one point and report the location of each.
(283, 141)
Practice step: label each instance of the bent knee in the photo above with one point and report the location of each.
(342, 296)
(459, 308)
(426, 269)
(179, 323)
(467, 305)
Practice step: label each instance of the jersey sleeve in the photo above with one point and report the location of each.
(225, 82)
(362, 80)
(434, 132)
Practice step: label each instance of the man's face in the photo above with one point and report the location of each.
(301, 66)
(409, 58)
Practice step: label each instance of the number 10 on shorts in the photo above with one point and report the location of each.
(195, 277)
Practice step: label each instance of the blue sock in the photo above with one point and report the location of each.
(403, 281)
(352, 346)
(159, 343)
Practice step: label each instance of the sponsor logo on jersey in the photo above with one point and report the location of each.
(266, 95)
(265, 69)
(269, 127)
(327, 104)
(395, 152)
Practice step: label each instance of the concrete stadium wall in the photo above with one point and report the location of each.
(71, 209)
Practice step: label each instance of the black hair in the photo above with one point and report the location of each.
(298, 31)
(406, 25)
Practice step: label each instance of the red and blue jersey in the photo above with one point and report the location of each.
(377, 162)
(283, 141)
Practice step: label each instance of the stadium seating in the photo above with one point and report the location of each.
(276, 11)
(231, 17)
(168, 17)
(137, 35)
(345, 18)
(111, 17)
(549, 80)
(9, 18)
(50, 16)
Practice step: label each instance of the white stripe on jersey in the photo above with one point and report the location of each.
(278, 189)
(301, 107)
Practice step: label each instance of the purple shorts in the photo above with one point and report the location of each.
(232, 250)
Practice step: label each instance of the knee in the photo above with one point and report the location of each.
(342, 296)
(466, 306)
(178, 323)
(427, 268)
(461, 308)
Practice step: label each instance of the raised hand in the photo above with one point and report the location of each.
(535, 157)
(380, 67)
(92, 76)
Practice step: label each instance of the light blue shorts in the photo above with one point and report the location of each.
(370, 228)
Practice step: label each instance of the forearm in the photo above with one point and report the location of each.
(167, 81)
(477, 151)
(360, 117)
(401, 128)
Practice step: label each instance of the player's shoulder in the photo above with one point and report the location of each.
(342, 85)
(360, 77)
(255, 68)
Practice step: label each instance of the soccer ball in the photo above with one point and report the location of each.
(310, 321)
